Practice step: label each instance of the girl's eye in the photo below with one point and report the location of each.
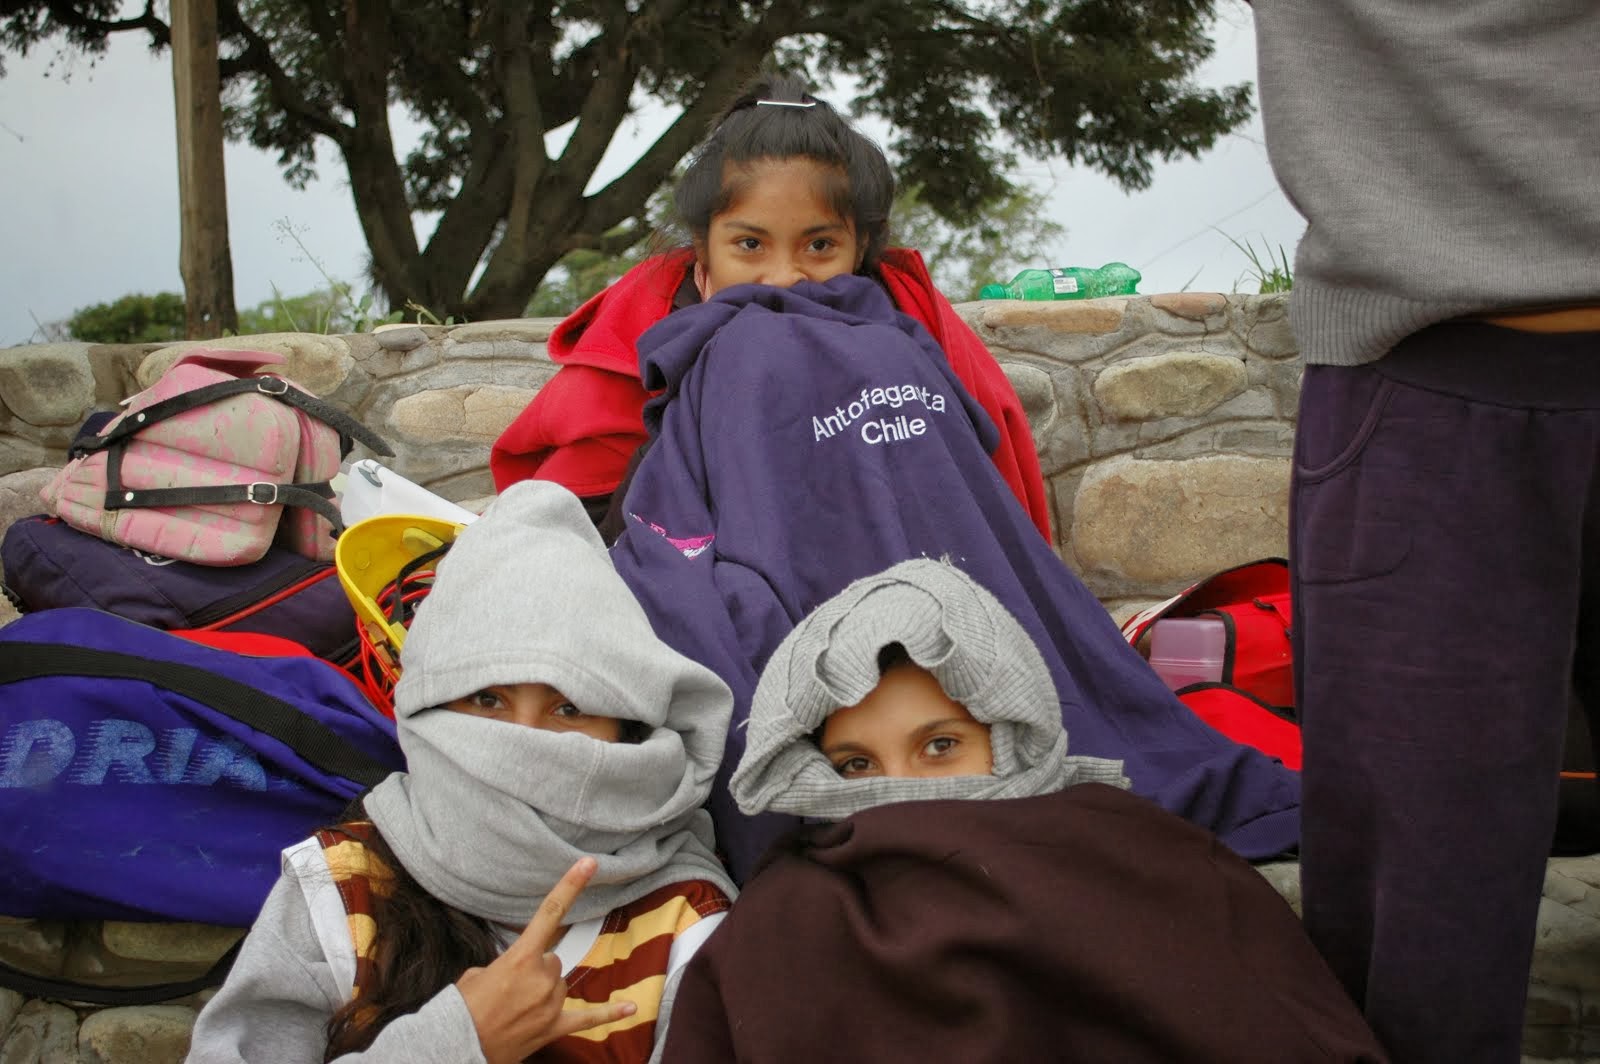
(941, 745)
(484, 700)
(747, 243)
(853, 766)
(566, 709)
(822, 244)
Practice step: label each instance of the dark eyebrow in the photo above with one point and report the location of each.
(941, 725)
(749, 227)
(842, 748)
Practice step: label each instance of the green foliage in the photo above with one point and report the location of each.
(133, 319)
(966, 88)
(1010, 235)
(579, 275)
(1273, 275)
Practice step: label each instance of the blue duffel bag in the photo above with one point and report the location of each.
(145, 777)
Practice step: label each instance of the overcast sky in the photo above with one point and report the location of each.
(88, 168)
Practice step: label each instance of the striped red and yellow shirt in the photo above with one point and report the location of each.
(628, 960)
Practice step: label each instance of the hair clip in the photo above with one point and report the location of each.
(784, 103)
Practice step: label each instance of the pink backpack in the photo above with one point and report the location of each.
(201, 465)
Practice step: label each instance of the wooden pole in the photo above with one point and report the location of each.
(203, 258)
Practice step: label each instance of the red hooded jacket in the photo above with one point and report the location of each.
(584, 425)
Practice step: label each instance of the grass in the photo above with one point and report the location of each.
(342, 312)
(1272, 275)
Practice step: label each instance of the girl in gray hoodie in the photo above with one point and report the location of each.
(535, 881)
(973, 892)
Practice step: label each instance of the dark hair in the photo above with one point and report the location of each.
(748, 132)
(892, 654)
(422, 946)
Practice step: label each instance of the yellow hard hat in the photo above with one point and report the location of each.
(370, 556)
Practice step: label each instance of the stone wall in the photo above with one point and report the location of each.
(1163, 423)
(48, 1032)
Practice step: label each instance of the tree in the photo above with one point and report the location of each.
(203, 255)
(133, 319)
(966, 88)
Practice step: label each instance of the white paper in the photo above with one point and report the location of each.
(372, 488)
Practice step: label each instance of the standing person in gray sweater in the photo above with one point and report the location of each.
(1445, 516)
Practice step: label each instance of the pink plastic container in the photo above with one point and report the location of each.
(1186, 650)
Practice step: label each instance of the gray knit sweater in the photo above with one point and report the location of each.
(1445, 155)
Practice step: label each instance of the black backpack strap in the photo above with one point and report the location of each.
(314, 495)
(55, 989)
(312, 740)
(266, 384)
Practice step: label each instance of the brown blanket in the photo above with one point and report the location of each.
(1085, 925)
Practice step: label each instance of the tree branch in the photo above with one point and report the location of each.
(257, 59)
(626, 196)
(68, 15)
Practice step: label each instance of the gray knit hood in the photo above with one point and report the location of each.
(949, 625)
(490, 814)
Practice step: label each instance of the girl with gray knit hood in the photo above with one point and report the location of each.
(533, 885)
(972, 892)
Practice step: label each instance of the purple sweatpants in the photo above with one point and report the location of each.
(1446, 561)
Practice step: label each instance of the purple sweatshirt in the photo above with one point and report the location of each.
(812, 435)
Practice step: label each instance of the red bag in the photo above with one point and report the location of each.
(1254, 702)
(1252, 601)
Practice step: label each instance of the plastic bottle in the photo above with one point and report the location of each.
(1067, 282)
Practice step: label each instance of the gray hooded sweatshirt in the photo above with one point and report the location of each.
(950, 625)
(489, 815)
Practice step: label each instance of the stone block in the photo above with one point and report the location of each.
(495, 351)
(406, 336)
(1268, 333)
(172, 943)
(1033, 389)
(1157, 526)
(116, 371)
(1264, 439)
(534, 331)
(47, 384)
(1569, 927)
(10, 1005)
(41, 1033)
(19, 493)
(1552, 1045)
(1062, 440)
(147, 1034)
(317, 363)
(1552, 1006)
(1196, 306)
(458, 414)
(33, 945)
(1184, 384)
(384, 364)
(471, 488)
(1285, 879)
(1091, 316)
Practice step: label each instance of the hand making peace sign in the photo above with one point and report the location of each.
(516, 1001)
